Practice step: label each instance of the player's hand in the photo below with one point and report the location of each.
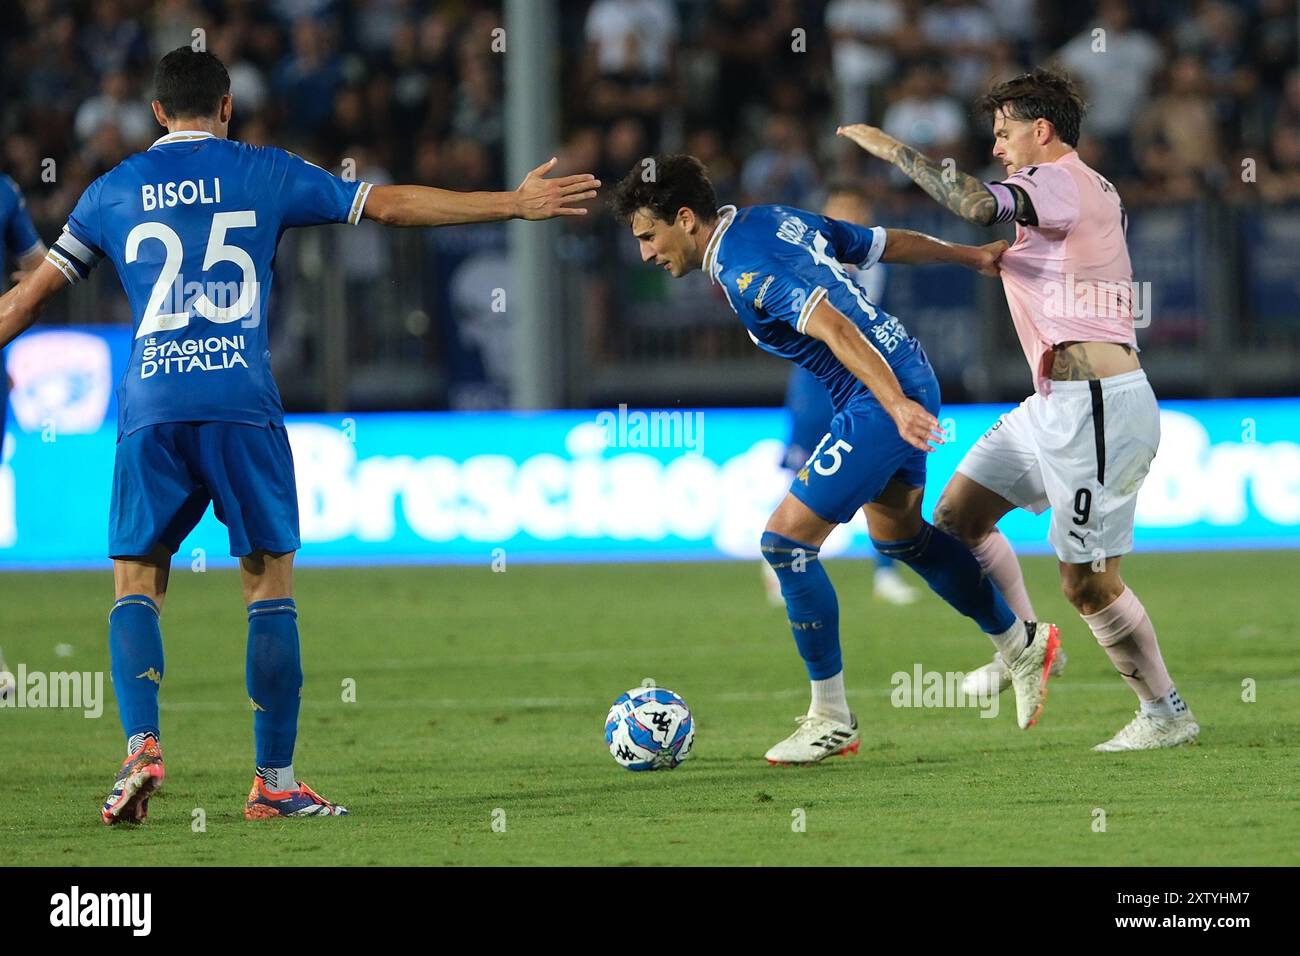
(917, 426)
(985, 258)
(540, 198)
(875, 141)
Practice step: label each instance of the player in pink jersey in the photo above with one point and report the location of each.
(1083, 442)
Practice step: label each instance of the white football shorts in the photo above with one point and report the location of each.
(1083, 450)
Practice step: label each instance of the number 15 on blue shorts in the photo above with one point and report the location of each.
(860, 455)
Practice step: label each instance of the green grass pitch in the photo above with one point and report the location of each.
(480, 698)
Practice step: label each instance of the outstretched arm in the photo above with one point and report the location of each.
(916, 425)
(20, 306)
(915, 248)
(950, 187)
(536, 198)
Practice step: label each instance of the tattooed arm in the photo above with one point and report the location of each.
(960, 192)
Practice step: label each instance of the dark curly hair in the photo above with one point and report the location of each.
(1041, 93)
(663, 185)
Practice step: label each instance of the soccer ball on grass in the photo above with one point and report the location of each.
(649, 728)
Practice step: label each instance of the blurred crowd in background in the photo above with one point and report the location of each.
(1189, 99)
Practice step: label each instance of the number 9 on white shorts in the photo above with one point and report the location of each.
(1083, 450)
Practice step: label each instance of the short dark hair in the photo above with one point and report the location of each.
(663, 185)
(1041, 93)
(190, 83)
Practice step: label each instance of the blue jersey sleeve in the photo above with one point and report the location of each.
(311, 196)
(20, 235)
(82, 243)
(855, 245)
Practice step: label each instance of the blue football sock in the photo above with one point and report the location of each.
(953, 573)
(884, 562)
(810, 602)
(274, 676)
(135, 652)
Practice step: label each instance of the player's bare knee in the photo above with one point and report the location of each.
(146, 577)
(952, 520)
(1089, 592)
(794, 520)
(945, 519)
(776, 524)
(266, 576)
(792, 530)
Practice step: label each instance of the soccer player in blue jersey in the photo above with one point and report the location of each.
(191, 226)
(810, 408)
(20, 243)
(782, 271)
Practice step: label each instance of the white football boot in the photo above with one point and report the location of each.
(1031, 670)
(1150, 732)
(816, 739)
(995, 677)
(888, 585)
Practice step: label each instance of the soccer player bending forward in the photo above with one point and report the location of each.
(783, 272)
(1083, 442)
(201, 420)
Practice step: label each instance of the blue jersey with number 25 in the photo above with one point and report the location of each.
(191, 224)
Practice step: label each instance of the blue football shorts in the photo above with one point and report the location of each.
(164, 477)
(862, 453)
